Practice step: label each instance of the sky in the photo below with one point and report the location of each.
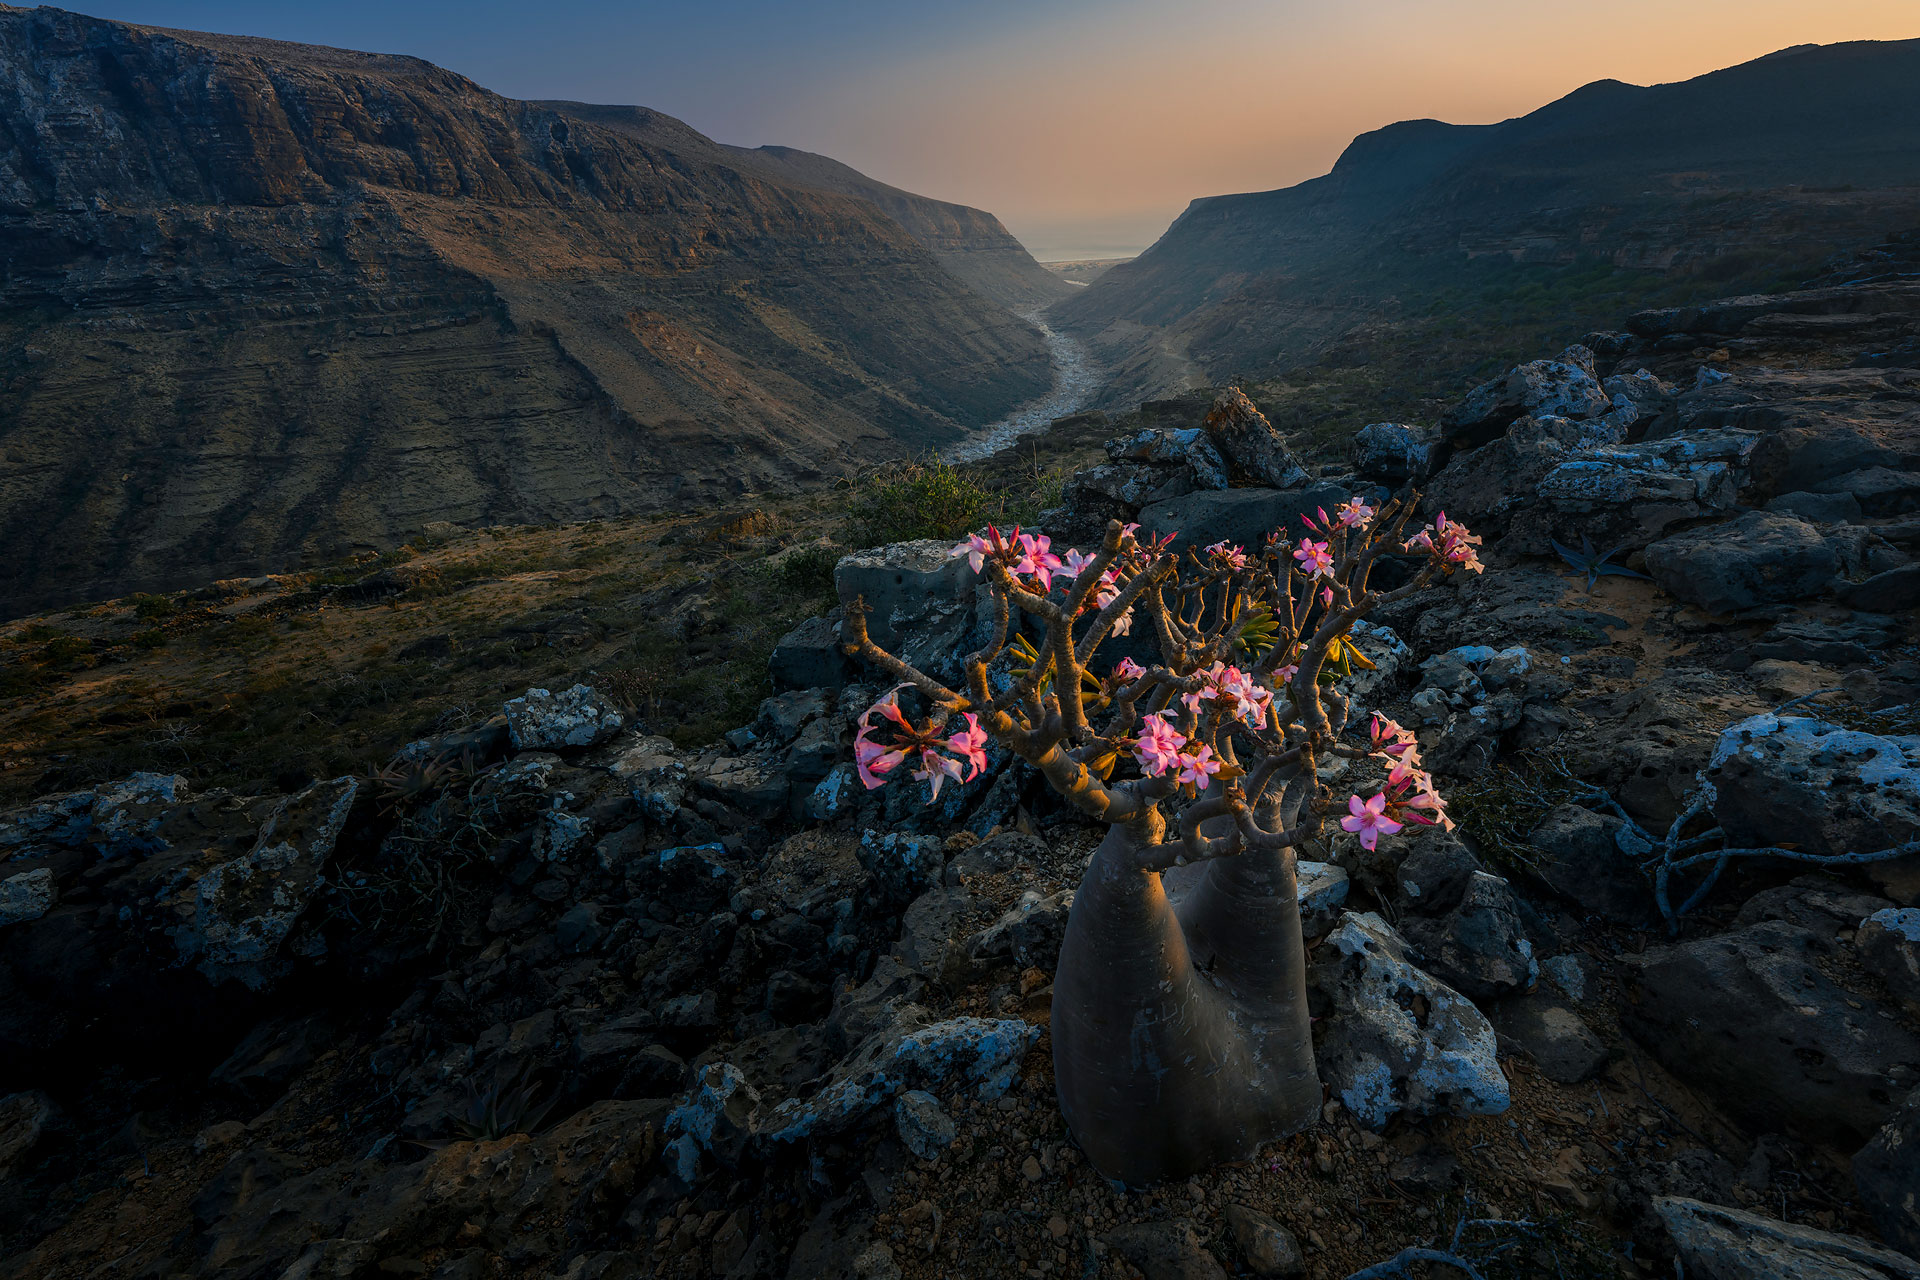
(1086, 125)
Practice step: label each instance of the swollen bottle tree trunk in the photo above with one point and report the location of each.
(1180, 1028)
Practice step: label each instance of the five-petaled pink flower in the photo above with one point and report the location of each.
(1353, 514)
(1198, 767)
(1075, 563)
(1158, 746)
(1036, 561)
(872, 760)
(970, 744)
(976, 549)
(1128, 669)
(1368, 819)
(1314, 557)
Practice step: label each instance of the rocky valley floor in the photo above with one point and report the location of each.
(474, 912)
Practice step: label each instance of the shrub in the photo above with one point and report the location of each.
(1163, 1069)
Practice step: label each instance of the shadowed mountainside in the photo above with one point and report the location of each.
(263, 301)
(970, 243)
(1775, 162)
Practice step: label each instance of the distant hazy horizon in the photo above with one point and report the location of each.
(1085, 125)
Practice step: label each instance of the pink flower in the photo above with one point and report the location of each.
(1421, 541)
(1368, 819)
(1325, 524)
(1250, 700)
(1387, 738)
(1286, 674)
(1315, 560)
(1158, 746)
(1353, 514)
(935, 769)
(976, 549)
(970, 745)
(1197, 769)
(1128, 669)
(1036, 560)
(872, 760)
(1326, 597)
(1075, 564)
(1234, 557)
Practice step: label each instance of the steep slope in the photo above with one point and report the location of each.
(1784, 158)
(262, 301)
(970, 243)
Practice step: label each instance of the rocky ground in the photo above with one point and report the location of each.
(550, 995)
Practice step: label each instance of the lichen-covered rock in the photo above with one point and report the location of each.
(1761, 558)
(810, 657)
(1254, 452)
(27, 896)
(902, 866)
(1822, 787)
(835, 794)
(923, 1124)
(1720, 1243)
(920, 601)
(687, 878)
(243, 909)
(713, 1119)
(756, 785)
(1391, 452)
(1029, 933)
(1886, 1172)
(1398, 1040)
(539, 720)
(1888, 944)
(115, 818)
(966, 1052)
(1565, 387)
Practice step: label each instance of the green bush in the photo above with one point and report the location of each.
(921, 500)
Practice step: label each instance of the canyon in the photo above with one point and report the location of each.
(264, 302)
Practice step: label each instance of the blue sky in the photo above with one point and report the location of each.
(1086, 126)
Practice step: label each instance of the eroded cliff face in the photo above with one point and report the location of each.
(260, 301)
(970, 243)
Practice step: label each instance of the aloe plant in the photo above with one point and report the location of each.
(1594, 566)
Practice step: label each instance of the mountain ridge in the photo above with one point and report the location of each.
(265, 302)
(1614, 171)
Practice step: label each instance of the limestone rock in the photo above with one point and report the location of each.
(923, 1124)
(1268, 1247)
(26, 896)
(1398, 1040)
(539, 720)
(1758, 559)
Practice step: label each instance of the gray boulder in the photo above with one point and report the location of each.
(1719, 1243)
(1565, 387)
(923, 1124)
(1398, 1040)
(1166, 1250)
(244, 909)
(1751, 1019)
(1254, 452)
(1242, 516)
(810, 657)
(1759, 559)
(539, 720)
(920, 601)
(1479, 948)
(1819, 508)
(1391, 452)
(1825, 788)
(1880, 491)
(1890, 591)
(1580, 858)
(1553, 1035)
(1267, 1247)
(1029, 933)
(1886, 1173)
(26, 896)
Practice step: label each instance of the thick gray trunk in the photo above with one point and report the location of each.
(1180, 1035)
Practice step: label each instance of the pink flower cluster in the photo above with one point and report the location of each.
(1228, 557)
(1408, 797)
(1232, 690)
(1160, 747)
(1028, 556)
(1448, 542)
(940, 756)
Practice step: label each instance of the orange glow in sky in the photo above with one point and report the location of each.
(1087, 136)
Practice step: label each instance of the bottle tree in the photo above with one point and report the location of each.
(1180, 1034)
